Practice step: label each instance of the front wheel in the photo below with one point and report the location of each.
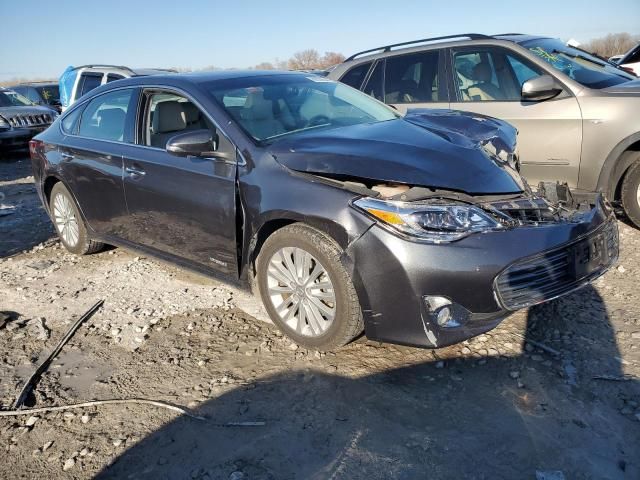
(68, 222)
(630, 193)
(307, 290)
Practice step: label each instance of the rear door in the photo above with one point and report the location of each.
(488, 80)
(92, 157)
(181, 206)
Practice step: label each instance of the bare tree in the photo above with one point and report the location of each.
(304, 60)
(331, 58)
(612, 44)
(264, 66)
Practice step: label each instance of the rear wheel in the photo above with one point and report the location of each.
(630, 193)
(307, 290)
(68, 222)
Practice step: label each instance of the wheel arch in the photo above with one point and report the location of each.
(616, 165)
(275, 222)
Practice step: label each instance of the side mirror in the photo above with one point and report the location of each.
(540, 88)
(194, 143)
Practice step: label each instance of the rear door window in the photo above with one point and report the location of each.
(87, 82)
(412, 78)
(105, 116)
(356, 75)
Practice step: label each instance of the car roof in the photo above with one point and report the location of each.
(185, 79)
(36, 84)
(204, 77)
(439, 42)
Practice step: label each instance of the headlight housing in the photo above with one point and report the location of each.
(430, 222)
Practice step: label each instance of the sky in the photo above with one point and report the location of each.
(41, 38)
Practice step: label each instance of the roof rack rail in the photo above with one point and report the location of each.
(121, 67)
(129, 69)
(506, 34)
(387, 48)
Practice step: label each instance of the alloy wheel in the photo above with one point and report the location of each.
(301, 291)
(65, 219)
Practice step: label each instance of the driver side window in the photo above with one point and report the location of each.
(491, 75)
(168, 114)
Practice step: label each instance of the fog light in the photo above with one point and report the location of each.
(444, 313)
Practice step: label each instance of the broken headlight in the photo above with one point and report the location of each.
(430, 222)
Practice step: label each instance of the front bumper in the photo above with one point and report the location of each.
(18, 138)
(490, 275)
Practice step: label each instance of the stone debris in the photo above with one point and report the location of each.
(38, 329)
(31, 421)
(69, 464)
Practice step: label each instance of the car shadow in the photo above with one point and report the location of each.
(483, 417)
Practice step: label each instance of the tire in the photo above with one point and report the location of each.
(326, 332)
(74, 234)
(630, 193)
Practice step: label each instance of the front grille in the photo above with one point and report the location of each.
(555, 273)
(38, 120)
(525, 211)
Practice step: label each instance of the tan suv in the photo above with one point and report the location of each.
(577, 115)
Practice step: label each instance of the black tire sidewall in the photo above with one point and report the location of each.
(629, 193)
(326, 254)
(82, 245)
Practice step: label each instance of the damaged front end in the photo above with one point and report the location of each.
(459, 240)
(468, 262)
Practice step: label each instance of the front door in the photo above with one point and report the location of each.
(488, 80)
(181, 206)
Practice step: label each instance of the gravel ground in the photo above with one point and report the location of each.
(493, 407)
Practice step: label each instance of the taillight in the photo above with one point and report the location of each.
(36, 149)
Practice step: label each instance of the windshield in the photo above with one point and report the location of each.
(9, 98)
(274, 106)
(581, 66)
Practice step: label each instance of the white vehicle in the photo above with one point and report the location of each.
(630, 61)
(76, 81)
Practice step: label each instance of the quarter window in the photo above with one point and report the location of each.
(105, 116)
(355, 76)
(70, 121)
(412, 78)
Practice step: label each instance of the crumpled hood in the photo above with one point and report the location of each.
(441, 149)
(630, 87)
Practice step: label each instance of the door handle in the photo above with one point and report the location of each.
(135, 172)
(66, 156)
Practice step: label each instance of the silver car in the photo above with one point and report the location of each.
(577, 115)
